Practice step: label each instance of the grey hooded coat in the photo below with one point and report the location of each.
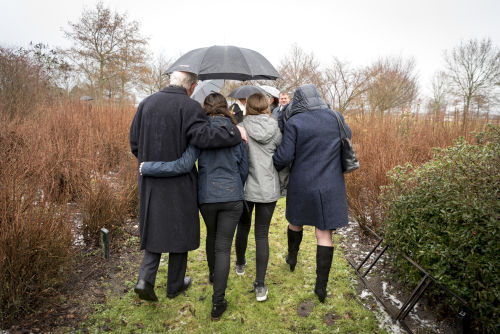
(264, 137)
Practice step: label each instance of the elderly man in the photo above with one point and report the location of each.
(164, 125)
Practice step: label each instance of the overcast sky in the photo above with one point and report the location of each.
(357, 31)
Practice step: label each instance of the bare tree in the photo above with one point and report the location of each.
(438, 102)
(393, 84)
(152, 79)
(345, 85)
(23, 83)
(104, 44)
(57, 70)
(473, 69)
(298, 69)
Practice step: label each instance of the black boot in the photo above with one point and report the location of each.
(146, 291)
(294, 240)
(217, 310)
(324, 255)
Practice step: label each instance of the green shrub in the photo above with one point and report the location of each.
(445, 214)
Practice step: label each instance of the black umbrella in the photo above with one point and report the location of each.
(225, 62)
(243, 92)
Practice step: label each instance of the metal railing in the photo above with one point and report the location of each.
(411, 301)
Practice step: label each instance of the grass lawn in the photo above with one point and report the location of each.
(289, 292)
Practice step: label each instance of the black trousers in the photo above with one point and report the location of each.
(263, 215)
(221, 220)
(177, 264)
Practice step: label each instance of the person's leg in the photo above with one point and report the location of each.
(149, 267)
(324, 256)
(177, 281)
(227, 219)
(294, 228)
(147, 276)
(209, 212)
(263, 215)
(324, 237)
(242, 233)
(294, 236)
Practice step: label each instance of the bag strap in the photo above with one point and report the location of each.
(341, 125)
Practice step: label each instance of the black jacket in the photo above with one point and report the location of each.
(237, 112)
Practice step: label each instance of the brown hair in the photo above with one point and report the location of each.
(216, 104)
(257, 104)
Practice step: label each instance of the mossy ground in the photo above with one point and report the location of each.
(288, 291)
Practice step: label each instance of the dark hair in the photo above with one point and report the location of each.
(257, 104)
(216, 104)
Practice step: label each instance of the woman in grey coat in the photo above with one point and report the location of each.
(316, 190)
(262, 188)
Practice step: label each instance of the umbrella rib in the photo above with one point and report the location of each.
(203, 59)
(246, 62)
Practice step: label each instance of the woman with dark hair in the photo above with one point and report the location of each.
(316, 190)
(222, 174)
(262, 188)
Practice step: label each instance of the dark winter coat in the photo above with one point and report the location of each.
(163, 126)
(237, 112)
(311, 146)
(222, 172)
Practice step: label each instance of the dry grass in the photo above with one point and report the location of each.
(381, 143)
(49, 157)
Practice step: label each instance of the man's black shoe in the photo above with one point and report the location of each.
(185, 286)
(146, 291)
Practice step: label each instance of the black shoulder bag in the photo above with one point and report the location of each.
(347, 155)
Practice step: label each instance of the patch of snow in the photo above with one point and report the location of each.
(365, 293)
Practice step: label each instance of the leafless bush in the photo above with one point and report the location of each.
(101, 206)
(35, 237)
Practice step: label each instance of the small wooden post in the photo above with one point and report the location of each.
(105, 243)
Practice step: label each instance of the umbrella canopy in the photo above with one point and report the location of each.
(225, 62)
(206, 87)
(243, 92)
(271, 90)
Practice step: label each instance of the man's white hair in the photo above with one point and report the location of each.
(183, 79)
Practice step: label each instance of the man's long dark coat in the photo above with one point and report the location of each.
(163, 126)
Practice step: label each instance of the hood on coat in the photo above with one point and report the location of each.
(260, 128)
(306, 98)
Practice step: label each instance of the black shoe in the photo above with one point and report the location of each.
(146, 291)
(294, 240)
(217, 310)
(211, 278)
(184, 287)
(324, 255)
